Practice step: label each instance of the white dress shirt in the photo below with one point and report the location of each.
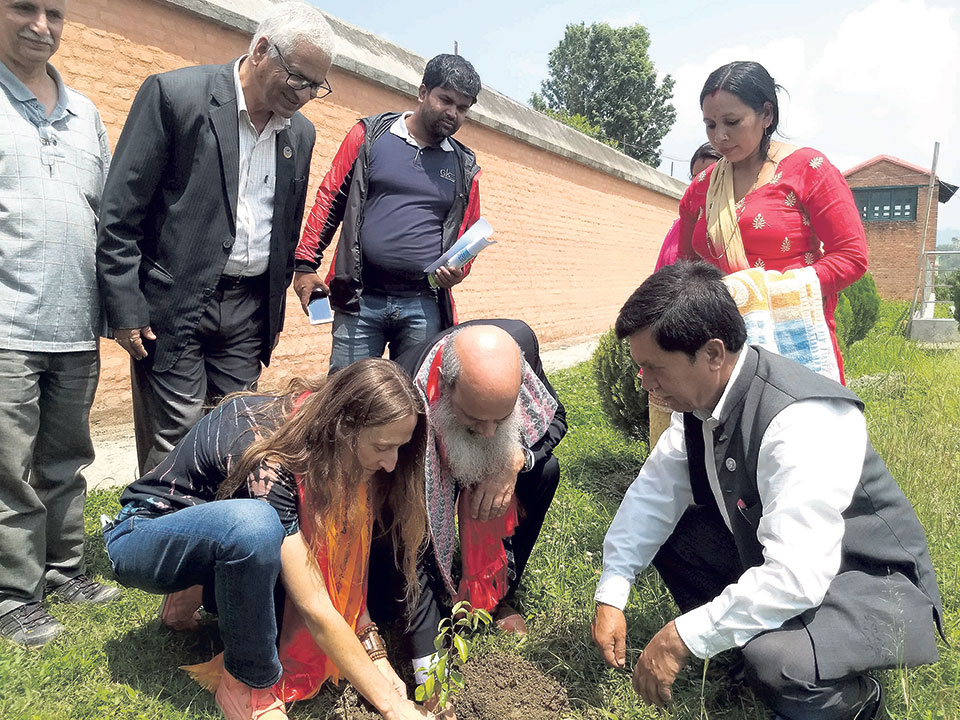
(250, 255)
(811, 458)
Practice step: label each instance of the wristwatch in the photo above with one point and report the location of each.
(528, 459)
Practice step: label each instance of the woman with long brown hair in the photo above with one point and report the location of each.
(284, 487)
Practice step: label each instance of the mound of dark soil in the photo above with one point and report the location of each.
(506, 687)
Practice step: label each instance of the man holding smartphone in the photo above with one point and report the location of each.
(404, 190)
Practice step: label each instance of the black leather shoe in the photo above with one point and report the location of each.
(872, 708)
(82, 589)
(30, 625)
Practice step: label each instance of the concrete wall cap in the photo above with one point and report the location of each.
(381, 61)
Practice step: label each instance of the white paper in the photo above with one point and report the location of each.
(466, 248)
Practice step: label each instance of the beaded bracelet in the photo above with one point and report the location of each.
(372, 642)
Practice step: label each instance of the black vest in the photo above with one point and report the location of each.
(885, 583)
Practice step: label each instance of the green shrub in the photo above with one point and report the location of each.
(844, 317)
(954, 281)
(864, 307)
(622, 399)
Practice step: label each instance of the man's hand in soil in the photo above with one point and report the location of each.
(491, 496)
(610, 634)
(658, 666)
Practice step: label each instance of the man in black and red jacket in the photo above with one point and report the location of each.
(404, 190)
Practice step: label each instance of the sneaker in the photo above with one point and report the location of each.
(242, 702)
(181, 610)
(30, 625)
(82, 589)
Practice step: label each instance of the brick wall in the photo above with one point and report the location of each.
(894, 246)
(573, 242)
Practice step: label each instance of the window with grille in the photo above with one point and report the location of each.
(886, 204)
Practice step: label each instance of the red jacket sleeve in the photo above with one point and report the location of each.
(836, 221)
(472, 214)
(331, 202)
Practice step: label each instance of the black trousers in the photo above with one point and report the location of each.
(696, 563)
(418, 623)
(222, 356)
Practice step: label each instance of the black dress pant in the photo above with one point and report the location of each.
(696, 563)
(418, 623)
(222, 356)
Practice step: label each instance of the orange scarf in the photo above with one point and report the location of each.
(343, 561)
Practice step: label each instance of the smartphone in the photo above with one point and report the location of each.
(319, 308)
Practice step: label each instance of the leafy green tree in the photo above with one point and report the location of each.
(622, 398)
(604, 74)
(864, 307)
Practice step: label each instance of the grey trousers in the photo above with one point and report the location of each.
(222, 356)
(45, 400)
(696, 563)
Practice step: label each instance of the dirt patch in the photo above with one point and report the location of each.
(506, 687)
(348, 705)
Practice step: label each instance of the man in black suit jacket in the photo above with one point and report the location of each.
(494, 421)
(201, 216)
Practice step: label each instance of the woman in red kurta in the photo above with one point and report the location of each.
(771, 204)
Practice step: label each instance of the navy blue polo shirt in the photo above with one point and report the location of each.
(409, 194)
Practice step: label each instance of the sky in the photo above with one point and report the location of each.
(862, 78)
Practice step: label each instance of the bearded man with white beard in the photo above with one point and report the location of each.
(494, 420)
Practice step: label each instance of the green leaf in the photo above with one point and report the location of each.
(429, 684)
(438, 643)
(442, 667)
(443, 698)
(602, 82)
(456, 678)
(462, 647)
(420, 693)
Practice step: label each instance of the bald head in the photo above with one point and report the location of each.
(482, 371)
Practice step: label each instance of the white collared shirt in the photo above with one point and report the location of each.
(400, 129)
(810, 461)
(250, 255)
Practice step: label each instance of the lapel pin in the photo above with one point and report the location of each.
(288, 152)
(731, 464)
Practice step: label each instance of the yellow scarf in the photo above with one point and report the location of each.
(724, 242)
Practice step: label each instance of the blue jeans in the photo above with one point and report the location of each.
(403, 322)
(233, 545)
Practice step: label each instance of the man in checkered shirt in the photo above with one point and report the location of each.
(53, 160)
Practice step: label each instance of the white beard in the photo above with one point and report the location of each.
(471, 457)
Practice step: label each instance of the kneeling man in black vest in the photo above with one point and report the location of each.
(769, 516)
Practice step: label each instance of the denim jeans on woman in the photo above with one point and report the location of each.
(231, 545)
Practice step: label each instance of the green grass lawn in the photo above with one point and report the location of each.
(117, 662)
